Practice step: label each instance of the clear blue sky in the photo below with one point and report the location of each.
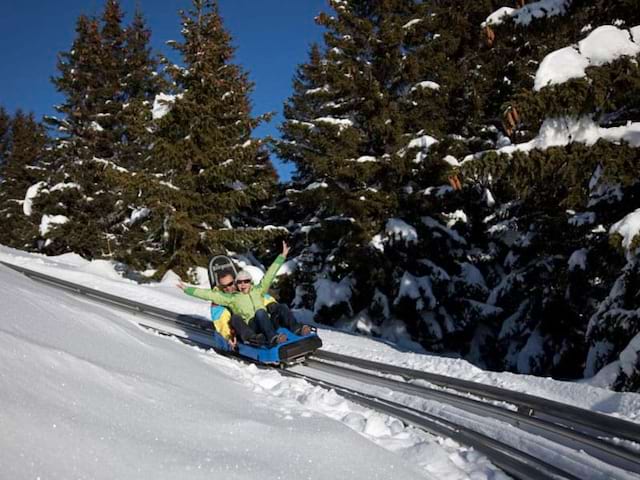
(271, 36)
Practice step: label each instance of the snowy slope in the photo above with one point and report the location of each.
(86, 393)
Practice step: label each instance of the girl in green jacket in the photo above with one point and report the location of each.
(248, 301)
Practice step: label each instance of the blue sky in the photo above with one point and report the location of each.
(271, 36)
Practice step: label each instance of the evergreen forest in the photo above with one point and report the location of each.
(467, 174)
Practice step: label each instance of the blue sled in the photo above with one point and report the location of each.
(295, 348)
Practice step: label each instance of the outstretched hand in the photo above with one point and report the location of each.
(180, 285)
(285, 249)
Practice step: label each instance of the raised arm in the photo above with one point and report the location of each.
(270, 274)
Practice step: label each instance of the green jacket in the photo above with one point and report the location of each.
(244, 304)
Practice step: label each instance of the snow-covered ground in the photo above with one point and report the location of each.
(86, 393)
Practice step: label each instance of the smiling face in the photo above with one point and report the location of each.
(244, 286)
(226, 283)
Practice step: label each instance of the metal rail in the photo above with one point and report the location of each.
(515, 462)
(604, 425)
(613, 455)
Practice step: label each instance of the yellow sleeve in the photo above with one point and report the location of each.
(223, 324)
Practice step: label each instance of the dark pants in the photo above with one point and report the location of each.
(282, 317)
(260, 323)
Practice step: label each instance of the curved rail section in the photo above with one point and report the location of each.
(531, 411)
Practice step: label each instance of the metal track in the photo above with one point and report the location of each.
(515, 462)
(591, 422)
(197, 331)
(606, 452)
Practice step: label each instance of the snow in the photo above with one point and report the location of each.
(341, 123)
(560, 66)
(365, 159)
(32, 192)
(423, 142)
(330, 293)
(398, 229)
(108, 163)
(411, 23)
(416, 288)
(628, 228)
(578, 259)
(47, 221)
(162, 105)
(313, 91)
(540, 9)
(314, 185)
(426, 84)
(395, 230)
(497, 17)
(86, 393)
(451, 160)
(525, 15)
(138, 215)
(607, 43)
(95, 126)
(560, 132)
(603, 45)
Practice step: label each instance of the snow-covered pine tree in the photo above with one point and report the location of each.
(23, 147)
(560, 191)
(345, 133)
(141, 83)
(108, 79)
(86, 141)
(360, 128)
(214, 176)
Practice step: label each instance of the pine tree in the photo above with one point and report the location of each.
(141, 85)
(109, 81)
(213, 174)
(24, 149)
(362, 127)
(553, 262)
